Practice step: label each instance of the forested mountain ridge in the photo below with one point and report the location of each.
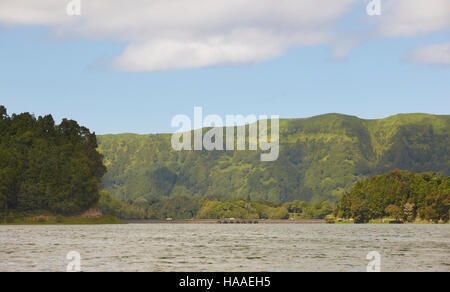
(319, 158)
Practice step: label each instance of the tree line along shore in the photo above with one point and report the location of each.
(395, 197)
(56, 171)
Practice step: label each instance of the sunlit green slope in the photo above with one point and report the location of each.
(319, 157)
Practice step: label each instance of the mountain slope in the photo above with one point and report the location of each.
(319, 157)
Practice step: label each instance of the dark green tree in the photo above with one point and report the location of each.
(47, 167)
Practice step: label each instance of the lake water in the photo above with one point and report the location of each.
(172, 247)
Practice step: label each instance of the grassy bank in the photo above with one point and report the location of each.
(62, 221)
(383, 221)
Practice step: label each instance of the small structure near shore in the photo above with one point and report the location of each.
(238, 221)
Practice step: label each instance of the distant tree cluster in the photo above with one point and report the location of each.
(402, 195)
(241, 209)
(305, 210)
(184, 207)
(47, 167)
(180, 207)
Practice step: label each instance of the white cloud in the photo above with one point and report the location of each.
(173, 54)
(173, 34)
(437, 54)
(399, 18)
(32, 12)
(342, 46)
(413, 17)
(237, 47)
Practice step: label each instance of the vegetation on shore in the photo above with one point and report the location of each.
(402, 195)
(62, 220)
(57, 170)
(386, 220)
(395, 197)
(183, 207)
(48, 167)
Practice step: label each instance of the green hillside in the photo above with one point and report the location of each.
(319, 158)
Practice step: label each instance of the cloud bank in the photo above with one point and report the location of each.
(408, 18)
(176, 34)
(437, 54)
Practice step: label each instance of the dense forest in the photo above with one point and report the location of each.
(402, 195)
(320, 157)
(46, 167)
(183, 207)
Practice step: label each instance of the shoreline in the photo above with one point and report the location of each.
(109, 220)
(105, 220)
(221, 221)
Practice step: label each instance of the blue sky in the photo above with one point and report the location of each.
(73, 76)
